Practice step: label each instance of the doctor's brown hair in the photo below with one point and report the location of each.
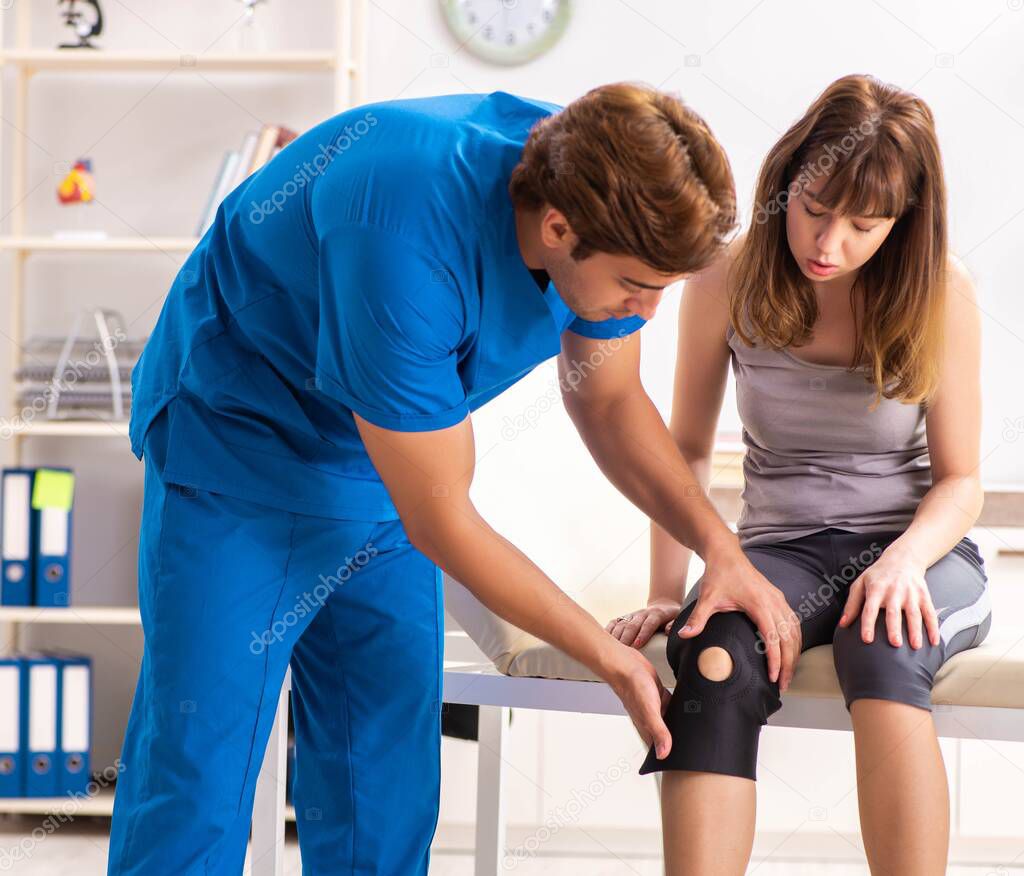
(876, 148)
(635, 172)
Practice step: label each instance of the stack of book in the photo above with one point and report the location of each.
(257, 148)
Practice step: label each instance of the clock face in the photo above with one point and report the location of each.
(507, 31)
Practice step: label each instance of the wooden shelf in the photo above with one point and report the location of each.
(74, 614)
(74, 428)
(41, 243)
(102, 60)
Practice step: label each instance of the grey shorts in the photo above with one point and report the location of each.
(715, 725)
(815, 573)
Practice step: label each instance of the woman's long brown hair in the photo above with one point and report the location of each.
(876, 148)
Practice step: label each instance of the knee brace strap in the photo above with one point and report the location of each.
(716, 725)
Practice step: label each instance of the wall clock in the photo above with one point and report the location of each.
(507, 31)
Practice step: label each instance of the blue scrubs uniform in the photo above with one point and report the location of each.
(370, 267)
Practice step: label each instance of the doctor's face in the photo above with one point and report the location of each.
(603, 286)
(600, 286)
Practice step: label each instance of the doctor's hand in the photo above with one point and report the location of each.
(635, 682)
(637, 627)
(731, 583)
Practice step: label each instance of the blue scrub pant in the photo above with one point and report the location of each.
(231, 593)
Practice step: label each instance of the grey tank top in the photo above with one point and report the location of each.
(816, 456)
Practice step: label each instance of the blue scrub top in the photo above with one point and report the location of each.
(371, 266)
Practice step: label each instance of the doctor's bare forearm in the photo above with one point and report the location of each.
(428, 475)
(632, 446)
(504, 579)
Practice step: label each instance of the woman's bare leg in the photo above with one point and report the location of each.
(902, 791)
(707, 822)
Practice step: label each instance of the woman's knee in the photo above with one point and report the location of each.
(722, 698)
(879, 670)
(715, 663)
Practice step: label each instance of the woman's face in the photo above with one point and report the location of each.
(829, 245)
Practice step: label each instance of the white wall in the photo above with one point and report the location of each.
(760, 65)
(753, 67)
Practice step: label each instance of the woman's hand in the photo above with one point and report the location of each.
(636, 629)
(731, 583)
(895, 582)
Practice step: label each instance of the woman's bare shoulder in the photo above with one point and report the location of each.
(718, 270)
(961, 282)
(709, 290)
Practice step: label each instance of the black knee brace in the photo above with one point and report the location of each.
(715, 725)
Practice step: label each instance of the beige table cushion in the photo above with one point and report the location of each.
(990, 675)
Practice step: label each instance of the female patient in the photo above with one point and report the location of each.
(855, 345)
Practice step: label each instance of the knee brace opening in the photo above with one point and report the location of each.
(721, 701)
(715, 663)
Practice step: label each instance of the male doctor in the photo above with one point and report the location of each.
(303, 410)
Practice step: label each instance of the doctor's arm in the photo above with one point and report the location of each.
(428, 475)
(633, 447)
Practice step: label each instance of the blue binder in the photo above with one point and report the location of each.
(18, 537)
(52, 494)
(12, 780)
(39, 725)
(74, 719)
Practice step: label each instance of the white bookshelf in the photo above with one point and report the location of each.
(39, 243)
(92, 615)
(346, 65)
(100, 803)
(33, 60)
(73, 428)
